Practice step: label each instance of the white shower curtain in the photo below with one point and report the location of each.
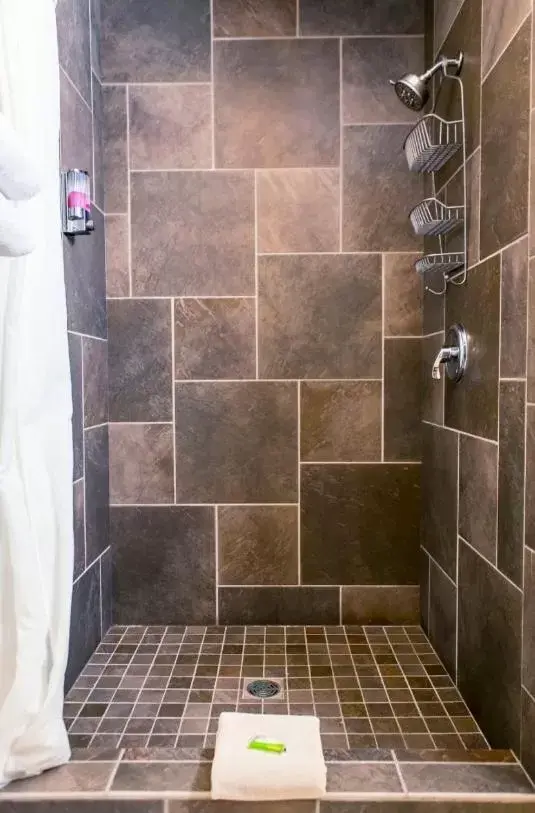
(36, 545)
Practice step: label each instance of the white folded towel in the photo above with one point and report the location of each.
(241, 774)
(19, 174)
(17, 228)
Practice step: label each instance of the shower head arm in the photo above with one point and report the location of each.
(443, 63)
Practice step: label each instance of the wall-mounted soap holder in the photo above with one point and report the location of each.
(76, 202)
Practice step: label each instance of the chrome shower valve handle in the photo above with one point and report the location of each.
(454, 354)
(444, 355)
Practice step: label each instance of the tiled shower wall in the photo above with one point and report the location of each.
(478, 573)
(264, 316)
(85, 282)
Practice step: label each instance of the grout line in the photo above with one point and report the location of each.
(193, 676)
(341, 154)
(219, 663)
(155, 84)
(435, 562)
(328, 651)
(91, 564)
(504, 49)
(95, 426)
(493, 566)
(212, 93)
(461, 432)
(128, 191)
(88, 336)
(360, 462)
(201, 504)
(83, 451)
(298, 482)
(264, 380)
(173, 388)
(76, 90)
(398, 770)
(321, 37)
(256, 272)
(196, 298)
(216, 558)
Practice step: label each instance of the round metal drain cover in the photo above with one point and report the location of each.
(263, 688)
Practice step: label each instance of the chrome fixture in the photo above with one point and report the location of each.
(76, 202)
(454, 354)
(412, 90)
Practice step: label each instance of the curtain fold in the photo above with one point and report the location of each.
(36, 536)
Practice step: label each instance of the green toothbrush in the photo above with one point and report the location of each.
(263, 744)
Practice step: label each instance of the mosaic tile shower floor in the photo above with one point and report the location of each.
(371, 687)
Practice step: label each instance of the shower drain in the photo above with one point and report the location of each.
(264, 688)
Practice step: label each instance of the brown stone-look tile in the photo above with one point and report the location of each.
(76, 128)
(528, 654)
(433, 306)
(76, 777)
(95, 360)
(439, 496)
(340, 420)
(117, 274)
(162, 776)
(472, 403)
(489, 648)
(527, 744)
(172, 581)
(425, 576)
(473, 756)
(279, 605)
(504, 145)
(532, 191)
(380, 604)
(73, 43)
(379, 191)
(170, 126)
(77, 394)
(368, 777)
(115, 160)
(478, 497)
(500, 21)
(403, 295)
(402, 399)
(269, 84)
(167, 42)
(193, 233)
(432, 390)
(298, 210)
(368, 65)
(514, 294)
(85, 627)
(215, 338)
(96, 490)
(511, 479)
(530, 391)
(370, 514)
(258, 544)
(140, 369)
(98, 143)
(236, 442)
(465, 779)
(338, 18)
(442, 19)
(473, 203)
(79, 527)
(443, 616)
(85, 281)
(106, 591)
(254, 18)
(320, 316)
(213, 806)
(141, 469)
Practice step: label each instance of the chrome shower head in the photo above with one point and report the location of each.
(412, 89)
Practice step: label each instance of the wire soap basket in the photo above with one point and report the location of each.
(433, 218)
(447, 263)
(432, 142)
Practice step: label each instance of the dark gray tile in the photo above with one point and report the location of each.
(366, 777)
(96, 21)
(279, 605)
(89, 806)
(511, 479)
(162, 776)
(141, 463)
(269, 85)
(465, 779)
(514, 295)
(215, 338)
(527, 744)
(213, 806)
(77, 777)
(76, 129)
(298, 210)
(72, 18)
(489, 654)
(472, 403)
(473, 204)
(528, 653)
(500, 21)
(254, 18)
(85, 623)
(368, 65)
(258, 544)
(95, 359)
(320, 316)
(117, 274)
(106, 591)
(425, 577)
(443, 18)
(338, 18)
(77, 384)
(167, 42)
(439, 496)
(341, 420)
(370, 514)
(530, 477)
(379, 190)
(140, 368)
(205, 218)
(433, 306)
(432, 390)
(96, 491)
(505, 145)
(443, 616)
(236, 442)
(403, 295)
(115, 160)
(478, 497)
(402, 399)
(170, 126)
(171, 582)
(380, 605)
(530, 393)
(85, 280)
(79, 528)
(98, 143)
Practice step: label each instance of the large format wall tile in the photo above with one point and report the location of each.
(73, 43)
(167, 41)
(511, 480)
(500, 21)
(254, 18)
(340, 17)
(85, 630)
(378, 605)
(163, 565)
(141, 469)
(236, 442)
(490, 618)
(98, 143)
(379, 191)
(478, 484)
(277, 103)
(258, 544)
(514, 294)
(115, 159)
(320, 316)
(76, 129)
(472, 403)
(117, 273)
(443, 616)
(279, 605)
(445, 13)
(192, 233)
(170, 126)
(79, 527)
(140, 360)
(530, 476)
(215, 338)
(370, 514)
(504, 146)
(95, 361)
(425, 564)
(85, 281)
(341, 420)
(368, 65)
(527, 745)
(403, 295)
(77, 393)
(298, 210)
(530, 372)
(439, 496)
(528, 639)
(96, 491)
(432, 390)
(402, 399)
